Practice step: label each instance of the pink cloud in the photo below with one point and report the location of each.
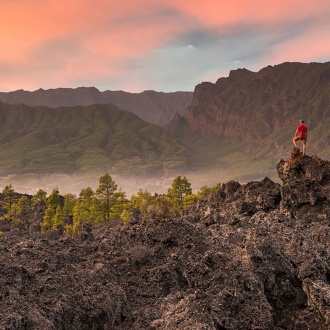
(48, 43)
(102, 27)
(218, 13)
(105, 31)
(311, 46)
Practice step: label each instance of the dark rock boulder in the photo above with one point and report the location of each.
(304, 168)
(306, 186)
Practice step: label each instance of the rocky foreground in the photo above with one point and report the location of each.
(253, 256)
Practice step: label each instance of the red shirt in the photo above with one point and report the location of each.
(302, 130)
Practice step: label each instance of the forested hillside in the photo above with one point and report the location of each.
(80, 139)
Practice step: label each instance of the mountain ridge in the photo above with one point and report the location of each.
(238, 127)
(282, 90)
(153, 107)
(262, 109)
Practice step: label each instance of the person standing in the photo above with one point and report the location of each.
(301, 135)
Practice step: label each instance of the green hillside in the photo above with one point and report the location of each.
(81, 139)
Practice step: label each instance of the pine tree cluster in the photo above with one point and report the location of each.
(70, 212)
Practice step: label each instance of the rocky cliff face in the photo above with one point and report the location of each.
(264, 107)
(153, 107)
(252, 256)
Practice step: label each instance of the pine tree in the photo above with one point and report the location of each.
(190, 200)
(19, 211)
(86, 195)
(69, 203)
(9, 198)
(54, 198)
(165, 208)
(204, 192)
(105, 193)
(141, 202)
(137, 200)
(58, 218)
(181, 187)
(83, 211)
(119, 205)
(23, 205)
(47, 222)
(39, 199)
(52, 203)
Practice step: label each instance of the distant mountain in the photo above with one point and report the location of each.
(236, 128)
(256, 113)
(153, 107)
(77, 139)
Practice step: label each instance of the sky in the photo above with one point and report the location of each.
(161, 45)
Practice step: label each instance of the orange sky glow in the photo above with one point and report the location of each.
(164, 45)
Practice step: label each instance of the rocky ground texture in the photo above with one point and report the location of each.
(252, 256)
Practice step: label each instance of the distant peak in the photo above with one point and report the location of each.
(149, 91)
(239, 73)
(92, 88)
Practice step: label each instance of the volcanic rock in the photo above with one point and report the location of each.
(250, 256)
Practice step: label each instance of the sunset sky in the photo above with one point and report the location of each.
(164, 45)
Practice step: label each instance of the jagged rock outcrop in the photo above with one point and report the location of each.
(251, 256)
(306, 183)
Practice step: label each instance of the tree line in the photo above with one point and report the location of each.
(106, 203)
